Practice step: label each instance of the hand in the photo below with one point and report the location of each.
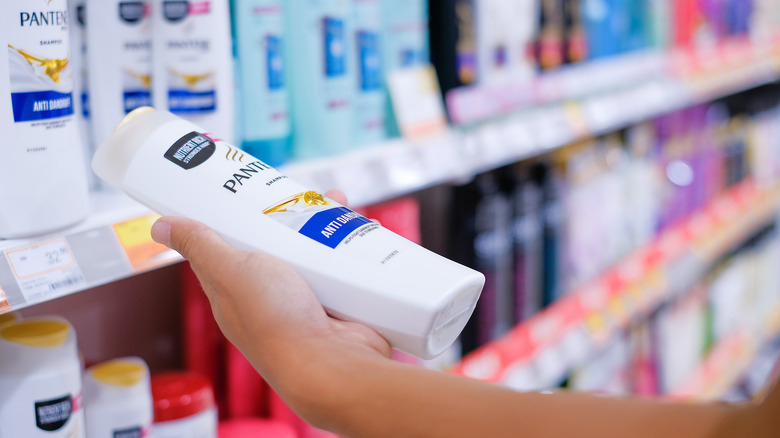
(263, 306)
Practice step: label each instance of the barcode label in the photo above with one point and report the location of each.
(46, 270)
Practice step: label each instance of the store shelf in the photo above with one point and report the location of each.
(495, 126)
(569, 104)
(728, 361)
(113, 243)
(539, 352)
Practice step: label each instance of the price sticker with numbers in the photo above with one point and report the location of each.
(5, 305)
(45, 270)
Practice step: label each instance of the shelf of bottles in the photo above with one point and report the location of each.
(571, 103)
(540, 352)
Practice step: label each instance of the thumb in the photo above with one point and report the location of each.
(194, 240)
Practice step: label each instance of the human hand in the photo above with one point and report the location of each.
(262, 305)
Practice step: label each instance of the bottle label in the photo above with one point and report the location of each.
(274, 62)
(189, 54)
(136, 54)
(51, 415)
(41, 83)
(370, 65)
(335, 53)
(132, 432)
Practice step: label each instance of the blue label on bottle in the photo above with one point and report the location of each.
(85, 104)
(332, 226)
(41, 105)
(370, 65)
(186, 101)
(335, 53)
(137, 98)
(274, 62)
(410, 57)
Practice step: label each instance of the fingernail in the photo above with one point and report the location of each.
(161, 232)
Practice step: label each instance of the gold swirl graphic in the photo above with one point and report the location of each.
(52, 67)
(146, 79)
(233, 157)
(309, 198)
(191, 80)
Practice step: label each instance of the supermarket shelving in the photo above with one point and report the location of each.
(539, 352)
(576, 102)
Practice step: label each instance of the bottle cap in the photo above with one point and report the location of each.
(119, 372)
(37, 332)
(180, 394)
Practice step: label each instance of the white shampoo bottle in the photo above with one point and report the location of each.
(192, 63)
(360, 271)
(42, 167)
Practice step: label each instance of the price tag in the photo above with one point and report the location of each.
(5, 305)
(417, 102)
(136, 239)
(45, 269)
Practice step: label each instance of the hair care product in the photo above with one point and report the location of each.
(369, 108)
(42, 161)
(264, 117)
(119, 61)
(192, 62)
(319, 75)
(40, 380)
(355, 266)
(118, 399)
(183, 405)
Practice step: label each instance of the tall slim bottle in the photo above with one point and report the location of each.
(263, 100)
(370, 112)
(319, 76)
(119, 61)
(42, 168)
(192, 62)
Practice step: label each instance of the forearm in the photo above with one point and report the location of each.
(360, 394)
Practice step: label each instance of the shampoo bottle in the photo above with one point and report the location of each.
(264, 121)
(40, 380)
(42, 168)
(77, 15)
(319, 76)
(118, 398)
(119, 61)
(360, 271)
(404, 42)
(192, 62)
(369, 98)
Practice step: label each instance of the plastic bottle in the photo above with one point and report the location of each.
(42, 169)
(320, 80)
(192, 62)
(404, 43)
(119, 61)
(40, 380)
(77, 15)
(118, 399)
(183, 406)
(359, 270)
(369, 96)
(264, 119)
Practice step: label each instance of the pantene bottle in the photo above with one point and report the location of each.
(40, 380)
(360, 271)
(192, 62)
(119, 61)
(42, 168)
(183, 406)
(118, 399)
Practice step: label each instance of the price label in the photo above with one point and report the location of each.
(46, 269)
(417, 102)
(136, 239)
(5, 305)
